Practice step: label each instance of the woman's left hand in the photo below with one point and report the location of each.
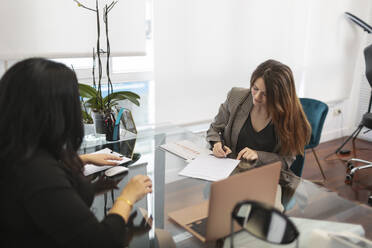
(100, 159)
(247, 154)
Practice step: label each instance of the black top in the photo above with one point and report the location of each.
(45, 205)
(264, 140)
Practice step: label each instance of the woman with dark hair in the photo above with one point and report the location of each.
(264, 123)
(46, 199)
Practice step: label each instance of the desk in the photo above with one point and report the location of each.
(173, 192)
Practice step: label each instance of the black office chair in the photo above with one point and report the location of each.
(366, 121)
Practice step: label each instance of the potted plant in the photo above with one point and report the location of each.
(89, 128)
(102, 107)
(87, 119)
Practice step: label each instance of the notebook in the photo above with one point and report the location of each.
(185, 149)
(210, 220)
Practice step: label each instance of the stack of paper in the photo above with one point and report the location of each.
(185, 149)
(210, 168)
(91, 168)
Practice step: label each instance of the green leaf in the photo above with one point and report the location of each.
(123, 95)
(86, 117)
(92, 98)
(87, 91)
(129, 93)
(93, 104)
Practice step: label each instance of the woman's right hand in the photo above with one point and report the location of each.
(137, 188)
(219, 152)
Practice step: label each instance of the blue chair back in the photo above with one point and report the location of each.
(316, 113)
(298, 165)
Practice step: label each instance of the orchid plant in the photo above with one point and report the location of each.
(92, 96)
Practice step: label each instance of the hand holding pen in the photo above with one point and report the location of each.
(220, 150)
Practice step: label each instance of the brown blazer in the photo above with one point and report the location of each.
(230, 119)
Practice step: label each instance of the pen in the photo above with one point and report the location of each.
(222, 141)
(117, 154)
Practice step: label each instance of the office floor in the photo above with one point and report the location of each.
(335, 169)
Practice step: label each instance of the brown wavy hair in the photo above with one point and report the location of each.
(284, 107)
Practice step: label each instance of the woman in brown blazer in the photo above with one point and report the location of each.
(264, 123)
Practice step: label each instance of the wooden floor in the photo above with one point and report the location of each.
(335, 169)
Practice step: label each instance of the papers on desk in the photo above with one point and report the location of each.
(344, 239)
(210, 168)
(91, 168)
(185, 149)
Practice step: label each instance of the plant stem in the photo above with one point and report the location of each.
(112, 4)
(99, 90)
(83, 6)
(99, 52)
(94, 69)
(110, 88)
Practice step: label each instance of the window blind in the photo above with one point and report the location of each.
(61, 29)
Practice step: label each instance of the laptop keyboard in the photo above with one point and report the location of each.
(199, 226)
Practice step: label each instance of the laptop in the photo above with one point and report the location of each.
(210, 220)
(124, 147)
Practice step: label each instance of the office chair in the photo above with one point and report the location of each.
(316, 113)
(367, 117)
(298, 165)
(366, 121)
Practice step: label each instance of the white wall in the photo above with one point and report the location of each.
(203, 48)
(356, 104)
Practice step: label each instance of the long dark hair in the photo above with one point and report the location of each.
(40, 109)
(284, 107)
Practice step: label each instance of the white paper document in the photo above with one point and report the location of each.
(210, 168)
(91, 168)
(185, 149)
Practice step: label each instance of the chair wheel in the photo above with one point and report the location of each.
(350, 165)
(370, 200)
(348, 179)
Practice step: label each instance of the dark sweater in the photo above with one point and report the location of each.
(45, 205)
(264, 140)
